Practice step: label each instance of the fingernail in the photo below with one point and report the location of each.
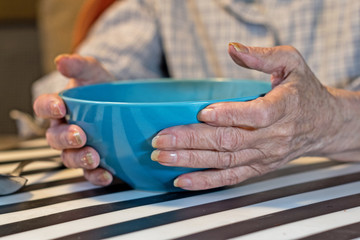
(87, 159)
(166, 156)
(55, 109)
(182, 182)
(239, 47)
(104, 177)
(107, 176)
(75, 138)
(155, 155)
(207, 115)
(165, 140)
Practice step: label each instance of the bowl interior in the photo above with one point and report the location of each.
(168, 91)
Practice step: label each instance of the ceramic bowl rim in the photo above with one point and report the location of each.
(162, 80)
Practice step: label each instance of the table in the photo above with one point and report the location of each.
(310, 198)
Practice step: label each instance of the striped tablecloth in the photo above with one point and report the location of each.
(310, 198)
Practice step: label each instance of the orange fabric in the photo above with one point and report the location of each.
(88, 14)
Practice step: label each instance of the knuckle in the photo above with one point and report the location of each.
(264, 117)
(290, 48)
(228, 139)
(228, 116)
(207, 183)
(257, 171)
(287, 132)
(230, 177)
(226, 160)
(204, 181)
(286, 136)
(295, 55)
(261, 154)
(280, 152)
(192, 159)
(191, 140)
(262, 112)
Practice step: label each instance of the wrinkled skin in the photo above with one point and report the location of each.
(71, 138)
(237, 140)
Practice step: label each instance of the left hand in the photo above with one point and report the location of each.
(239, 140)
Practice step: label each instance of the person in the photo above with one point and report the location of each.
(310, 53)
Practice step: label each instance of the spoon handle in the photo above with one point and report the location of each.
(18, 170)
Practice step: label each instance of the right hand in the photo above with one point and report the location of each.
(71, 138)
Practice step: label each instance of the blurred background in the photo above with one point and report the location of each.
(32, 33)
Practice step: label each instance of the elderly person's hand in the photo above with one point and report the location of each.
(239, 140)
(71, 138)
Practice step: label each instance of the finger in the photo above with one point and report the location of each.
(98, 176)
(205, 137)
(86, 158)
(279, 61)
(208, 179)
(49, 106)
(259, 113)
(65, 136)
(86, 70)
(206, 159)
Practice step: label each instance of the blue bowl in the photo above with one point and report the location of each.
(121, 118)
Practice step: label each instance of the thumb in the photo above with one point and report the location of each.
(278, 61)
(82, 70)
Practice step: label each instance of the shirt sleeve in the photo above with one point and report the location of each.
(125, 39)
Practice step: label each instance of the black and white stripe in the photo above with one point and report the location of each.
(314, 200)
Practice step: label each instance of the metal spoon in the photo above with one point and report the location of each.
(12, 182)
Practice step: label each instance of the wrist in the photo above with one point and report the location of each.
(341, 134)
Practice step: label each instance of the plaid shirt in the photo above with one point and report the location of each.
(134, 38)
